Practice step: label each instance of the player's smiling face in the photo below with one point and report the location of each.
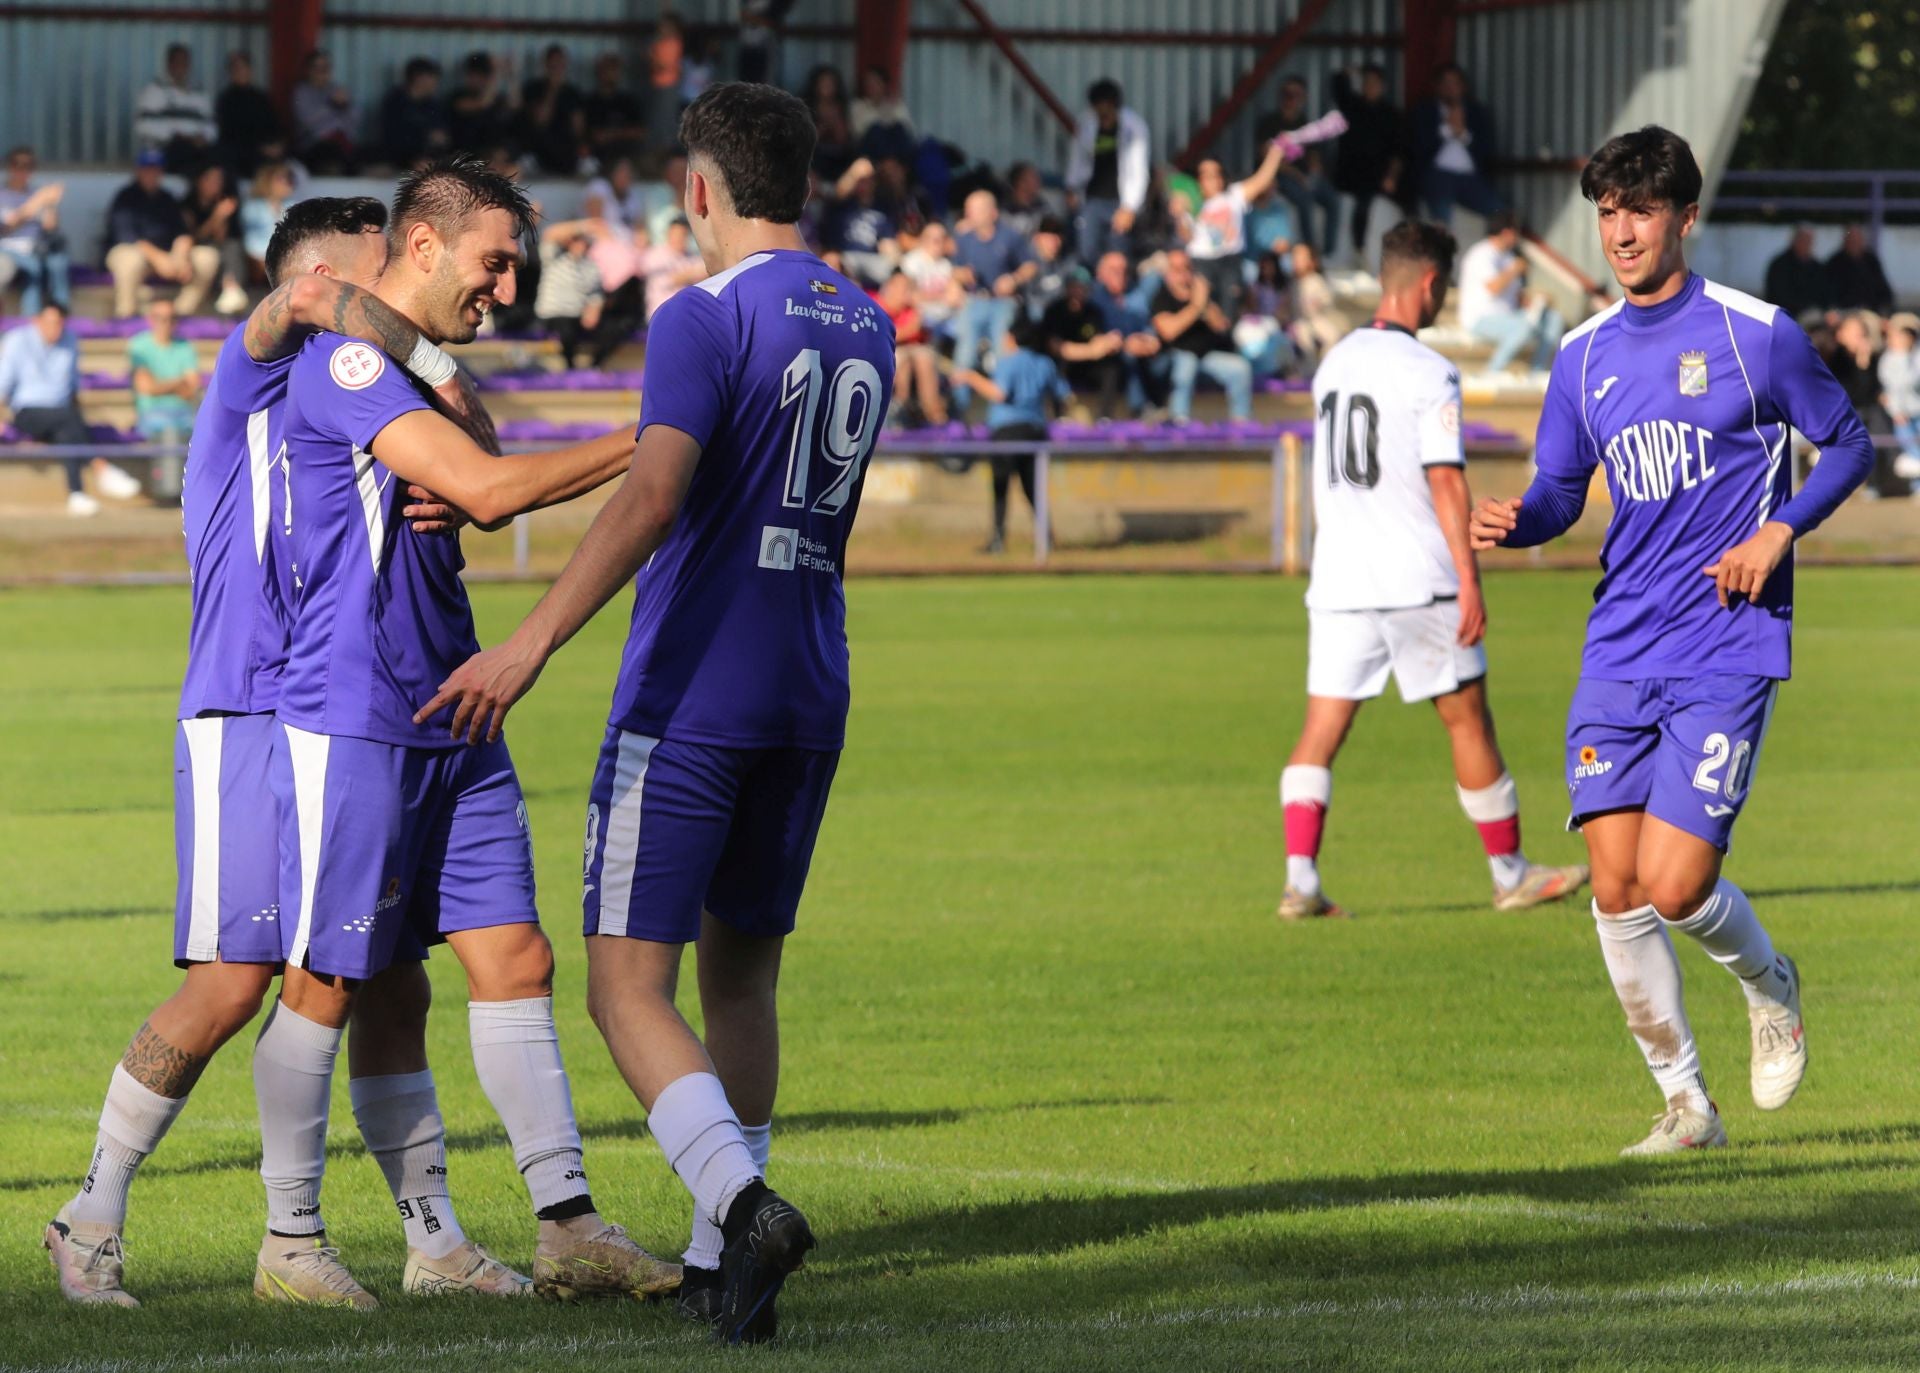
(474, 273)
(1644, 244)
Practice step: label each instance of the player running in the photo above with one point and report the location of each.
(226, 930)
(1395, 588)
(387, 831)
(766, 387)
(1684, 392)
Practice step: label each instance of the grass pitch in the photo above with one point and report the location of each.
(1059, 1091)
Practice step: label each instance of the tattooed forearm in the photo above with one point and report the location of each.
(365, 315)
(159, 1067)
(479, 424)
(270, 334)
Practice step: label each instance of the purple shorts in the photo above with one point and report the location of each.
(676, 828)
(1680, 748)
(384, 849)
(227, 908)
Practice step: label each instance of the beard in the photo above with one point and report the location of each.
(447, 306)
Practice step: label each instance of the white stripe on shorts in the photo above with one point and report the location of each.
(204, 737)
(623, 831)
(308, 753)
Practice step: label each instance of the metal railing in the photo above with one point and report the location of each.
(1864, 194)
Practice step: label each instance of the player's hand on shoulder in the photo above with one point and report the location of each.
(428, 514)
(1492, 520)
(1473, 614)
(1742, 571)
(484, 688)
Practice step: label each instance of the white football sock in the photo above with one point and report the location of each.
(1726, 927)
(293, 1083)
(702, 1139)
(516, 1052)
(399, 1118)
(1646, 978)
(133, 1121)
(704, 1249)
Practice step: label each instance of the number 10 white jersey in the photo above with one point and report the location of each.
(1386, 408)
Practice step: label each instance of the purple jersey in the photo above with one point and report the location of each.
(233, 502)
(383, 615)
(781, 369)
(1686, 405)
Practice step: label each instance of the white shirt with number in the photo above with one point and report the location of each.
(1386, 408)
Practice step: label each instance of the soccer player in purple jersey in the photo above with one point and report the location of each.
(226, 933)
(388, 830)
(1684, 393)
(766, 387)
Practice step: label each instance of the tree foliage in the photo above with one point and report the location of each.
(1840, 89)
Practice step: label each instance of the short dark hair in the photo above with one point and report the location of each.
(1500, 221)
(758, 142)
(420, 66)
(1105, 91)
(318, 218)
(448, 193)
(1374, 69)
(178, 50)
(1028, 334)
(59, 306)
(1416, 242)
(478, 63)
(1637, 170)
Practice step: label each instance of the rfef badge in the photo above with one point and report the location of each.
(1693, 374)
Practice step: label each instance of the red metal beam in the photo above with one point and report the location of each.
(1430, 43)
(880, 38)
(1248, 85)
(1007, 49)
(293, 31)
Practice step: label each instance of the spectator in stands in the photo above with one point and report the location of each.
(671, 265)
(1303, 181)
(1370, 159)
(147, 236)
(1026, 202)
(1025, 385)
(1092, 354)
(1051, 268)
(1855, 364)
(666, 56)
(212, 212)
(879, 120)
(833, 148)
(1797, 280)
(1494, 305)
(326, 127)
(1855, 278)
(674, 177)
(759, 42)
(1108, 171)
(861, 230)
(265, 207)
(40, 384)
(1899, 374)
(992, 264)
(171, 115)
(1271, 226)
(32, 248)
(482, 111)
(1217, 233)
(1124, 310)
(916, 375)
(414, 125)
(246, 118)
(570, 302)
(698, 71)
(1318, 321)
(937, 292)
(555, 114)
(616, 196)
(1198, 338)
(825, 86)
(164, 371)
(904, 201)
(615, 121)
(1453, 148)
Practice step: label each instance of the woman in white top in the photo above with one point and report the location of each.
(1217, 234)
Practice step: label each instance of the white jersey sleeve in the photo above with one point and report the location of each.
(1386, 408)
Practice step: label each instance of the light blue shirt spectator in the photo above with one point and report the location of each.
(1027, 379)
(258, 220)
(35, 374)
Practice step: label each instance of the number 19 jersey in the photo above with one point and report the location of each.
(781, 369)
(1386, 408)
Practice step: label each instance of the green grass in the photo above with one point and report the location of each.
(1059, 1091)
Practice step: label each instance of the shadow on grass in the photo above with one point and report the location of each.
(97, 913)
(1576, 906)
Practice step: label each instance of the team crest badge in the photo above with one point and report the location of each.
(1693, 374)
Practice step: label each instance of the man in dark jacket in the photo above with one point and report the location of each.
(1370, 159)
(1855, 278)
(1797, 280)
(1452, 138)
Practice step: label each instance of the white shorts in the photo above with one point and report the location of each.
(1350, 652)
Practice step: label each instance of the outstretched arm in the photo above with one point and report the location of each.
(426, 449)
(302, 305)
(1256, 185)
(624, 535)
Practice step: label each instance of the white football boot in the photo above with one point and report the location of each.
(1297, 905)
(90, 1260)
(1779, 1045)
(467, 1269)
(1539, 886)
(1681, 1128)
(307, 1272)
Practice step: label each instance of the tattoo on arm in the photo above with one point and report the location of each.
(270, 329)
(366, 315)
(478, 422)
(159, 1067)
